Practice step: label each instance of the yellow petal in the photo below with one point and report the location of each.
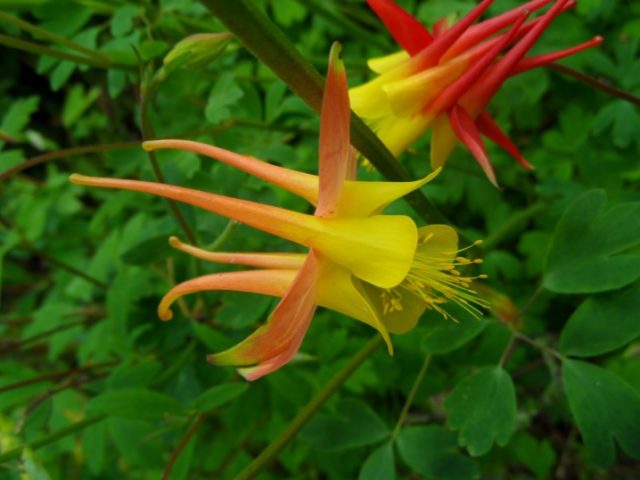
(438, 241)
(363, 199)
(377, 249)
(386, 63)
(443, 140)
(336, 291)
(399, 133)
(411, 95)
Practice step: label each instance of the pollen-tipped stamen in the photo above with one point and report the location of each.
(434, 279)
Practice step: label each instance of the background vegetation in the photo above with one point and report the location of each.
(92, 385)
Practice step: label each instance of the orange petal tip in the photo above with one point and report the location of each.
(175, 242)
(335, 57)
(78, 179)
(149, 145)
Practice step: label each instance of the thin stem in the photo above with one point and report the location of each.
(36, 48)
(66, 152)
(53, 37)
(513, 342)
(538, 345)
(54, 261)
(512, 224)
(309, 410)
(54, 375)
(595, 83)
(51, 438)
(147, 92)
(224, 236)
(412, 393)
(183, 443)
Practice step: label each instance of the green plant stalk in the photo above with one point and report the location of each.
(51, 438)
(512, 224)
(147, 92)
(412, 394)
(36, 48)
(52, 37)
(66, 152)
(309, 410)
(271, 46)
(595, 83)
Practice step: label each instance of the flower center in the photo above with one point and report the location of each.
(434, 279)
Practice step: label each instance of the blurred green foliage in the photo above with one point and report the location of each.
(96, 387)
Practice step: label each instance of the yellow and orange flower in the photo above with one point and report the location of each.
(380, 269)
(444, 79)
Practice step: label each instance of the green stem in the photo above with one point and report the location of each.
(512, 224)
(224, 236)
(51, 438)
(66, 152)
(270, 45)
(166, 474)
(538, 345)
(36, 48)
(594, 82)
(52, 37)
(309, 410)
(147, 91)
(411, 396)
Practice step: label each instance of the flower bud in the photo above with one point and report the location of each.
(196, 51)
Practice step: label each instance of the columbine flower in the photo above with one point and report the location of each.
(444, 79)
(380, 269)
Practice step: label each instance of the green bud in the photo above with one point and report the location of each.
(196, 51)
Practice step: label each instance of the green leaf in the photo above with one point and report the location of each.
(149, 251)
(94, 441)
(537, 455)
(585, 255)
(483, 408)
(353, 424)
(605, 409)
(431, 451)
(602, 324)
(218, 396)
(135, 403)
(624, 121)
(224, 94)
(443, 335)
(379, 465)
(77, 102)
(122, 20)
(17, 117)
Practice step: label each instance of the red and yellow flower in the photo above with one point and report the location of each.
(380, 269)
(445, 78)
